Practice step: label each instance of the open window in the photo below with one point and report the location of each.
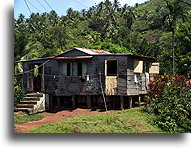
(138, 66)
(74, 69)
(154, 68)
(68, 69)
(79, 69)
(111, 67)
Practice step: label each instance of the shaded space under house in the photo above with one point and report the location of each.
(82, 78)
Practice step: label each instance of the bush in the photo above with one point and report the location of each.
(18, 91)
(170, 99)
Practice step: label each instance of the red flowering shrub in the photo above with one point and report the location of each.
(170, 98)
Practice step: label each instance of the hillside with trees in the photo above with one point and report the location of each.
(155, 28)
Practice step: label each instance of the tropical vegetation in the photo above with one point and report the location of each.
(157, 28)
(169, 97)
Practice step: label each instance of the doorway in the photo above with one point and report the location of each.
(35, 81)
(38, 80)
(111, 72)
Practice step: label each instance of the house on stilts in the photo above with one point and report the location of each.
(82, 78)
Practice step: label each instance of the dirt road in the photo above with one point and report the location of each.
(54, 117)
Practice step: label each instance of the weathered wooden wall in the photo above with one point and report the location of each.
(57, 83)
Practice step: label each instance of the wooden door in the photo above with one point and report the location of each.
(111, 85)
(111, 77)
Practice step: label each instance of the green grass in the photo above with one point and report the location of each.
(127, 121)
(22, 117)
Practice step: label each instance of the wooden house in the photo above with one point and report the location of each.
(83, 78)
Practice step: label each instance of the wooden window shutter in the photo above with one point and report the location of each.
(154, 68)
(138, 66)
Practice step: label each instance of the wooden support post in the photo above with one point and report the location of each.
(114, 102)
(58, 101)
(73, 102)
(88, 102)
(51, 102)
(130, 101)
(139, 100)
(121, 102)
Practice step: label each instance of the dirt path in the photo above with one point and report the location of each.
(53, 117)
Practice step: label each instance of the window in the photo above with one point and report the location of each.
(76, 69)
(138, 66)
(68, 69)
(154, 68)
(111, 67)
(79, 67)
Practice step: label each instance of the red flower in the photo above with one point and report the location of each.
(188, 83)
(183, 90)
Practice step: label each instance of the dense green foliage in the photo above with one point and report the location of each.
(127, 121)
(170, 99)
(18, 91)
(153, 28)
(21, 117)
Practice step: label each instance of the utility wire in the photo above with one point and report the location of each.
(81, 4)
(33, 6)
(48, 4)
(27, 6)
(41, 5)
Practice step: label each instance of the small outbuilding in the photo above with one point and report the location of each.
(86, 78)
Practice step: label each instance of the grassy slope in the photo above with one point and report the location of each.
(21, 117)
(127, 121)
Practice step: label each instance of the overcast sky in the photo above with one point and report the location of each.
(60, 6)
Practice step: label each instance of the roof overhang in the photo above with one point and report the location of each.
(73, 58)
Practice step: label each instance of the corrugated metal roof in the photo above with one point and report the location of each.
(93, 51)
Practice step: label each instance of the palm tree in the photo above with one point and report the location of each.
(128, 14)
(116, 5)
(176, 13)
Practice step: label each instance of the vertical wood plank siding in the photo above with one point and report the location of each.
(57, 83)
